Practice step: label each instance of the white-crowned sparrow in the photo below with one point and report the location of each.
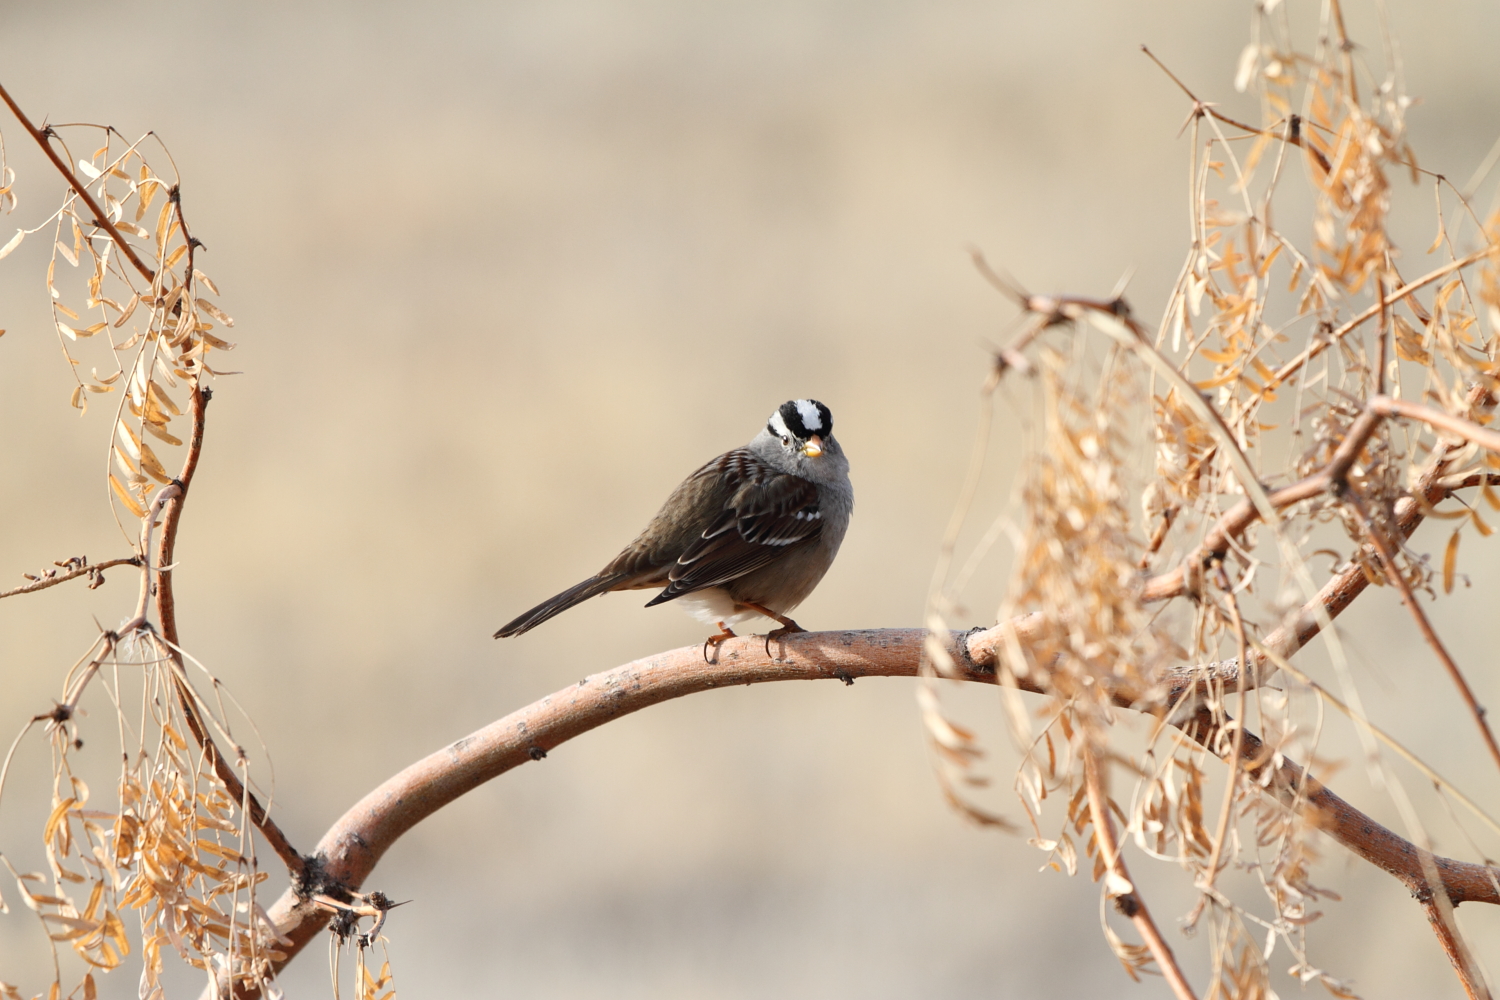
(751, 533)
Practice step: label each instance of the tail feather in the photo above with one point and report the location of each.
(592, 587)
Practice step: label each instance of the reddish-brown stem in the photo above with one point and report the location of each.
(1182, 579)
(166, 601)
(1292, 136)
(101, 219)
(1346, 53)
(1382, 336)
(1393, 574)
(1438, 419)
(1233, 522)
(1332, 598)
(1453, 946)
(1462, 881)
(1128, 901)
(166, 611)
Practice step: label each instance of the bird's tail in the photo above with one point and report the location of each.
(592, 587)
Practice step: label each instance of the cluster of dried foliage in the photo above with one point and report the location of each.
(1292, 385)
(135, 321)
(1291, 388)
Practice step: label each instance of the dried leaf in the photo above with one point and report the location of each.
(215, 312)
(135, 300)
(125, 497)
(1450, 562)
(158, 431)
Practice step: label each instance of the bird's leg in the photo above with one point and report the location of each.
(725, 633)
(787, 625)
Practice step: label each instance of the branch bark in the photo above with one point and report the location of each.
(352, 847)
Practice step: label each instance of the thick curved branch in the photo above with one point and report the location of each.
(349, 851)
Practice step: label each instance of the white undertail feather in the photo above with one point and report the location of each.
(713, 605)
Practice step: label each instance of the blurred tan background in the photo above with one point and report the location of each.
(503, 273)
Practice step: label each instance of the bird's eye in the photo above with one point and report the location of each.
(786, 441)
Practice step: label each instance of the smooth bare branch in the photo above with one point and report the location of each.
(352, 847)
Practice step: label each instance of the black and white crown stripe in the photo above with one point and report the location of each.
(801, 419)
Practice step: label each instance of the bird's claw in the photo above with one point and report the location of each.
(786, 629)
(714, 640)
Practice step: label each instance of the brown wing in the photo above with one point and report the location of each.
(766, 514)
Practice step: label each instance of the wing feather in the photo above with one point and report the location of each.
(767, 514)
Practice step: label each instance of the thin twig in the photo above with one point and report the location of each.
(166, 612)
(1179, 580)
(1292, 135)
(1455, 948)
(101, 218)
(1393, 574)
(1118, 885)
(85, 570)
(166, 601)
(1439, 419)
(1232, 787)
(1321, 344)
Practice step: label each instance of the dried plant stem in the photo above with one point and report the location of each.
(1234, 521)
(1462, 881)
(1466, 429)
(1232, 786)
(349, 851)
(166, 601)
(1322, 344)
(101, 218)
(1292, 136)
(1426, 770)
(86, 570)
(1393, 574)
(1181, 579)
(1339, 592)
(166, 611)
(1120, 888)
